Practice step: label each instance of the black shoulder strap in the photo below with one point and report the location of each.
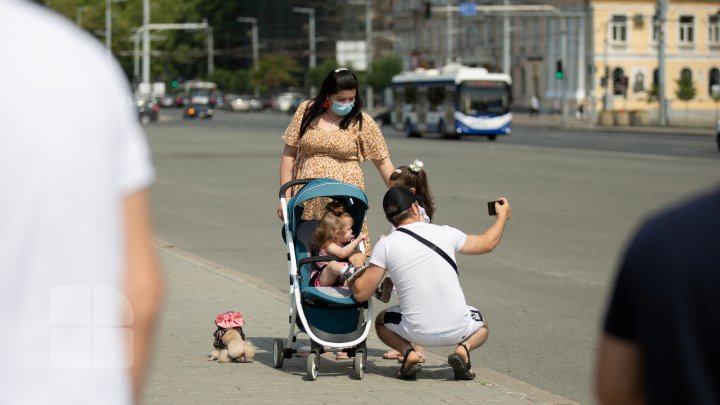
(431, 246)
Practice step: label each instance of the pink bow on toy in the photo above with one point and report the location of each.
(230, 320)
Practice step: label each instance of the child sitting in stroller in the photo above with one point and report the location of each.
(333, 236)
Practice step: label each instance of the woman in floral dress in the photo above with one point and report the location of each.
(329, 136)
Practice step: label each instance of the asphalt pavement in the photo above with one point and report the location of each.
(180, 373)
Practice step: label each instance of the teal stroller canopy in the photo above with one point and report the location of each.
(351, 196)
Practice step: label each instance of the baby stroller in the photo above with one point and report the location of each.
(330, 316)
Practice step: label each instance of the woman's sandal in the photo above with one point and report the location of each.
(460, 368)
(409, 373)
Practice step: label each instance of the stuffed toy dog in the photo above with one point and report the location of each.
(230, 343)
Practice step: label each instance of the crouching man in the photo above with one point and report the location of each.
(420, 260)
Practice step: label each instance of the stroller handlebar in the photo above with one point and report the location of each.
(292, 183)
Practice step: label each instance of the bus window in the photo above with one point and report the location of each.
(436, 98)
(484, 99)
(410, 96)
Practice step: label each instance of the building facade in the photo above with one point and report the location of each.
(626, 49)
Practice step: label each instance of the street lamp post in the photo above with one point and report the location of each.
(108, 23)
(146, 44)
(78, 15)
(660, 21)
(255, 52)
(369, 104)
(311, 29)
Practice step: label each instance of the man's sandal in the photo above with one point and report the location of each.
(460, 368)
(400, 357)
(409, 373)
(391, 355)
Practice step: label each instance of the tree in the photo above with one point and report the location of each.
(686, 89)
(383, 69)
(275, 72)
(316, 75)
(652, 94)
(233, 81)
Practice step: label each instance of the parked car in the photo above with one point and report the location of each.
(220, 100)
(167, 100)
(245, 102)
(283, 101)
(147, 111)
(294, 105)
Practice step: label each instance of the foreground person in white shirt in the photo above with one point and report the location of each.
(79, 282)
(432, 309)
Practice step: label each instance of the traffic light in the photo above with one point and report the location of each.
(174, 84)
(428, 10)
(559, 70)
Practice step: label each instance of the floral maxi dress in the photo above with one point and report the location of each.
(334, 154)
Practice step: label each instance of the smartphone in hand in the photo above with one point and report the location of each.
(491, 207)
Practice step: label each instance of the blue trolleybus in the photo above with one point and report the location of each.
(453, 101)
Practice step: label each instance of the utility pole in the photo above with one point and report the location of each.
(210, 47)
(369, 48)
(78, 15)
(449, 33)
(506, 40)
(564, 58)
(255, 52)
(661, 14)
(255, 45)
(108, 26)
(311, 29)
(606, 87)
(146, 44)
(136, 56)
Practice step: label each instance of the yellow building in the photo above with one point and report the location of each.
(625, 45)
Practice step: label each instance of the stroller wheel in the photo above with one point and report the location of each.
(278, 353)
(313, 361)
(359, 365)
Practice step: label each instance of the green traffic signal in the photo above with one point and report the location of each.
(559, 70)
(174, 83)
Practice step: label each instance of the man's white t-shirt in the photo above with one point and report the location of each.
(431, 299)
(71, 150)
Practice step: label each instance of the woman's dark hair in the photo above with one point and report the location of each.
(336, 81)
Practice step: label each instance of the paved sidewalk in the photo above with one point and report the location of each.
(197, 290)
(522, 119)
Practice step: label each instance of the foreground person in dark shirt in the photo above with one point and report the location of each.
(661, 341)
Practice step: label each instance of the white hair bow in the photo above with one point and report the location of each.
(416, 166)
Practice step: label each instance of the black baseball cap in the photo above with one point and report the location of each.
(397, 200)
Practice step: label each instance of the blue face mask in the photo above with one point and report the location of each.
(342, 109)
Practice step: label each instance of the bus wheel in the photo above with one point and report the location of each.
(492, 137)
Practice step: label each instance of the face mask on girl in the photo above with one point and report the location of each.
(342, 109)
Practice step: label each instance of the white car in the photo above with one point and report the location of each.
(283, 101)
